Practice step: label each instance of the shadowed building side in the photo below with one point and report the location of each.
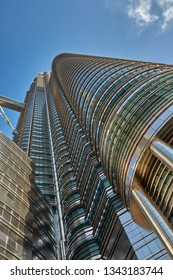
(26, 230)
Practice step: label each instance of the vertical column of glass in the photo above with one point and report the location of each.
(23, 129)
(58, 218)
(79, 233)
(40, 149)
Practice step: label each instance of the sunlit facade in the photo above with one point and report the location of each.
(100, 133)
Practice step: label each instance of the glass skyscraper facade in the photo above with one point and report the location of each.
(99, 131)
(26, 222)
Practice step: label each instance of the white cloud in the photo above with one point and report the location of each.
(140, 10)
(144, 12)
(167, 12)
(164, 2)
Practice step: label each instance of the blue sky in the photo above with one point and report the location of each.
(33, 32)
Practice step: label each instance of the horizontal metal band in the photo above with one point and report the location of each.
(163, 151)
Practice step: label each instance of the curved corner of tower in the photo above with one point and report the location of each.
(59, 56)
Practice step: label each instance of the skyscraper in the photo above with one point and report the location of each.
(100, 133)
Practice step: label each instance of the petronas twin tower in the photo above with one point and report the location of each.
(99, 132)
